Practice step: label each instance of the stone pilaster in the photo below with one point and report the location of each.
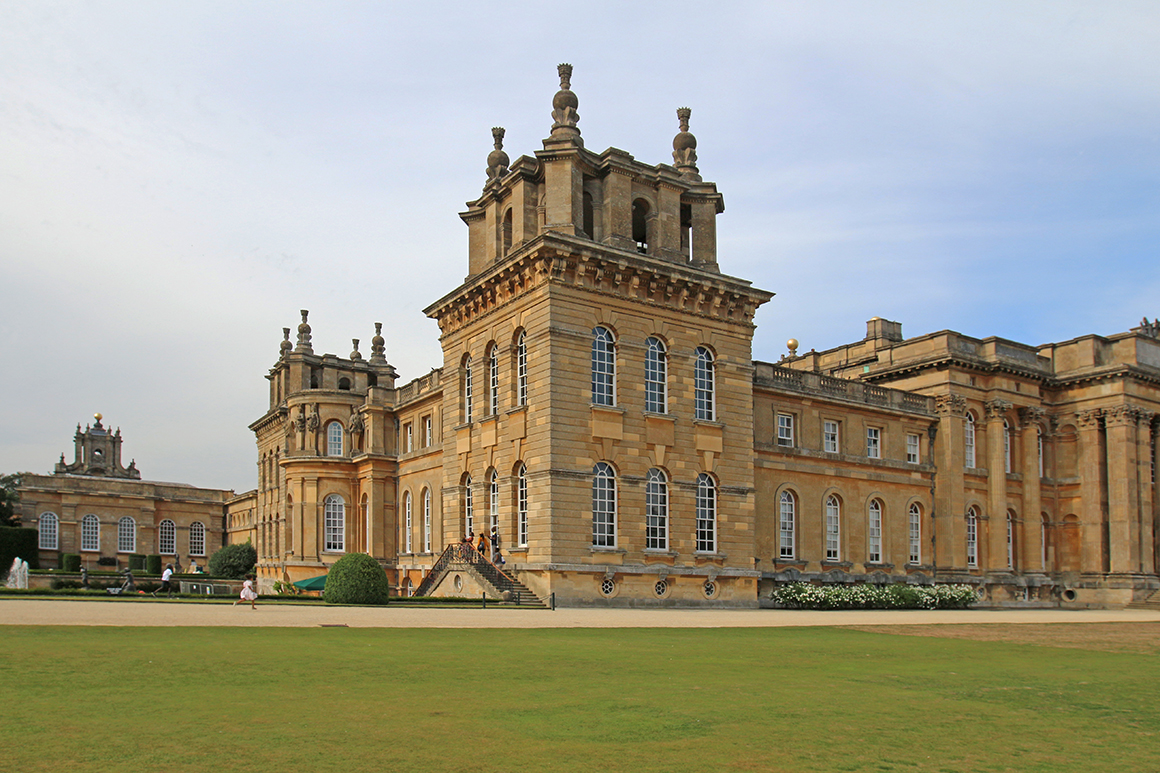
(1123, 489)
(1029, 541)
(950, 504)
(1091, 473)
(1145, 486)
(996, 558)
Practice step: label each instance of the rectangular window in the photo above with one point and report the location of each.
(408, 438)
(912, 449)
(830, 437)
(785, 429)
(873, 443)
(428, 438)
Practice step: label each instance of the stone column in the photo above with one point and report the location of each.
(996, 558)
(1146, 500)
(1123, 489)
(1030, 535)
(1091, 468)
(949, 530)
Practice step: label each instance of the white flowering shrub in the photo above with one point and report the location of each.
(803, 595)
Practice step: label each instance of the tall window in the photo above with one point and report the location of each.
(408, 437)
(788, 522)
(467, 389)
(656, 509)
(873, 443)
(507, 231)
(334, 516)
(426, 520)
(830, 437)
(1039, 448)
(468, 508)
(912, 449)
(655, 376)
(493, 501)
(197, 538)
(493, 380)
(972, 537)
(969, 441)
(126, 535)
(833, 529)
(1044, 525)
(915, 533)
(874, 541)
(334, 439)
(90, 533)
(49, 529)
(407, 524)
(603, 367)
(1010, 540)
(167, 538)
(703, 385)
(1006, 446)
(522, 506)
(428, 435)
(522, 369)
(706, 514)
(785, 430)
(603, 506)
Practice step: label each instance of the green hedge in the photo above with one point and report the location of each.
(18, 542)
(803, 595)
(153, 564)
(137, 562)
(356, 578)
(70, 562)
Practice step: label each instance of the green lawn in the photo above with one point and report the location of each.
(805, 699)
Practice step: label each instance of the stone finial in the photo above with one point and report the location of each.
(792, 345)
(355, 355)
(304, 335)
(497, 160)
(1149, 329)
(378, 346)
(285, 347)
(685, 148)
(564, 106)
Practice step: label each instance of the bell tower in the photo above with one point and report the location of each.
(598, 375)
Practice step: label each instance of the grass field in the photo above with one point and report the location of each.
(778, 699)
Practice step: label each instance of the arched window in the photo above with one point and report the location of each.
(334, 435)
(703, 385)
(426, 520)
(492, 380)
(467, 390)
(167, 537)
(603, 367)
(914, 533)
(969, 440)
(874, 533)
(407, 524)
(972, 537)
(507, 231)
(1010, 539)
(126, 535)
(197, 538)
(706, 514)
(49, 529)
(656, 511)
(640, 210)
(90, 533)
(603, 506)
(655, 376)
(334, 515)
(788, 525)
(522, 506)
(522, 369)
(833, 529)
(492, 501)
(468, 508)
(1006, 446)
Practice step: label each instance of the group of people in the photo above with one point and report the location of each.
(486, 546)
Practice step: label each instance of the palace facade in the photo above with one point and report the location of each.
(598, 406)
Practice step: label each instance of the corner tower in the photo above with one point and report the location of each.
(598, 372)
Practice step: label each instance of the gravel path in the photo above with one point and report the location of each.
(185, 613)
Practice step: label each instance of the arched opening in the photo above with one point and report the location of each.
(589, 216)
(640, 210)
(344, 383)
(687, 231)
(507, 232)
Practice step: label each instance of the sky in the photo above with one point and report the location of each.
(178, 179)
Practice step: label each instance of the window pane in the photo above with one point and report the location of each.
(334, 511)
(197, 538)
(706, 514)
(787, 525)
(48, 528)
(656, 500)
(167, 538)
(603, 367)
(603, 506)
(655, 377)
(703, 385)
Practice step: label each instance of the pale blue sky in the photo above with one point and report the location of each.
(178, 179)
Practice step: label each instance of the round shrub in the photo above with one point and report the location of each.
(356, 579)
(234, 561)
(70, 562)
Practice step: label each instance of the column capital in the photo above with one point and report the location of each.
(1121, 415)
(997, 409)
(950, 405)
(1089, 419)
(1031, 415)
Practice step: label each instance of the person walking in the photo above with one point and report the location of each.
(166, 586)
(248, 592)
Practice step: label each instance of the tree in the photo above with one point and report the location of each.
(356, 578)
(233, 561)
(9, 499)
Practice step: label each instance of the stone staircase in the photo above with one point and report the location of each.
(1151, 601)
(463, 557)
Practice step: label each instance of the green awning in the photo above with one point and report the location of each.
(312, 583)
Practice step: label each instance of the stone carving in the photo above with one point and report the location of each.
(304, 335)
(378, 346)
(1150, 329)
(997, 409)
(564, 106)
(355, 355)
(685, 148)
(950, 405)
(300, 422)
(1121, 415)
(1089, 419)
(285, 347)
(497, 160)
(1031, 415)
(314, 422)
(356, 422)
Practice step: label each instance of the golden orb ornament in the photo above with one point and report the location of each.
(98, 416)
(793, 345)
